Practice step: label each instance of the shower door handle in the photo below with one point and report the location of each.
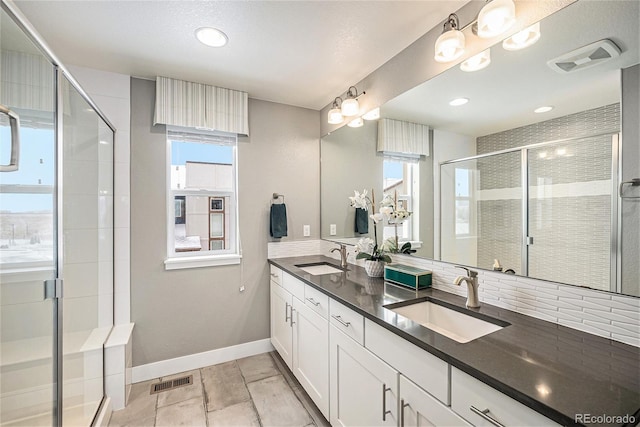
(14, 121)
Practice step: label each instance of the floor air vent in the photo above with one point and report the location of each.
(171, 384)
(585, 57)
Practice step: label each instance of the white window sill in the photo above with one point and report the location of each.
(201, 261)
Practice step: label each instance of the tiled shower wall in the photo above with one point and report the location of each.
(571, 234)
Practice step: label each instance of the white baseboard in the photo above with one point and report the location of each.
(199, 360)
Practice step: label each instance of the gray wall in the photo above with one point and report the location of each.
(182, 312)
(631, 169)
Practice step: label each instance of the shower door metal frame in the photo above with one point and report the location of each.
(60, 72)
(615, 241)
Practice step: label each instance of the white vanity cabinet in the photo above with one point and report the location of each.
(364, 389)
(419, 408)
(300, 334)
(483, 405)
(311, 353)
(281, 335)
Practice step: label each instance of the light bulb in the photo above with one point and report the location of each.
(522, 39)
(449, 46)
(477, 62)
(335, 116)
(356, 123)
(350, 107)
(496, 17)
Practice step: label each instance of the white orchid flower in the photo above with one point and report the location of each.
(365, 244)
(359, 200)
(376, 217)
(386, 210)
(387, 200)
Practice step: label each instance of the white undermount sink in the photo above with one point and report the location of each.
(319, 268)
(453, 324)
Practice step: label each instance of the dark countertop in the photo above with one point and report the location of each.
(555, 370)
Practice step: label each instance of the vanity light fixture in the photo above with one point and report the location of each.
(496, 17)
(335, 113)
(477, 62)
(458, 101)
(211, 37)
(372, 115)
(522, 39)
(350, 106)
(356, 123)
(450, 44)
(544, 109)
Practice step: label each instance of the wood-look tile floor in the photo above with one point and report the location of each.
(255, 391)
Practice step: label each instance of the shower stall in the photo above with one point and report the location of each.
(56, 236)
(547, 210)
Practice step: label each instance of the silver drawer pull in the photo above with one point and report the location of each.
(485, 414)
(274, 275)
(312, 301)
(402, 406)
(342, 322)
(291, 318)
(385, 389)
(286, 312)
(14, 122)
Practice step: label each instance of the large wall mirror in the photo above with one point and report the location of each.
(538, 191)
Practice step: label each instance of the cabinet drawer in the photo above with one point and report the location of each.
(276, 275)
(293, 285)
(468, 392)
(317, 301)
(425, 369)
(347, 321)
(419, 408)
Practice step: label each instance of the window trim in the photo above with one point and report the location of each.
(196, 259)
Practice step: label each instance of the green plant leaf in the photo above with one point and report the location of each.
(385, 258)
(363, 255)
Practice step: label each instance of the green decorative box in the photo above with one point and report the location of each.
(410, 277)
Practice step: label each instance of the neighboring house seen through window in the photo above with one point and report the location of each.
(202, 200)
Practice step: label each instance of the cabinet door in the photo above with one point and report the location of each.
(311, 353)
(281, 336)
(364, 389)
(419, 408)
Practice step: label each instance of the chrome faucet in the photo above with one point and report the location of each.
(343, 255)
(472, 286)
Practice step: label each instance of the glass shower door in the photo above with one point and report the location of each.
(87, 270)
(570, 218)
(28, 250)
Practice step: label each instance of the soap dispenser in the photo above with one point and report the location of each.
(496, 265)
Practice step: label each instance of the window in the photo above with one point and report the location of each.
(463, 201)
(401, 180)
(201, 199)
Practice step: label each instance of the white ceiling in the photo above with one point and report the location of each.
(301, 53)
(504, 95)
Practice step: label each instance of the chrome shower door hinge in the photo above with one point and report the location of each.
(53, 288)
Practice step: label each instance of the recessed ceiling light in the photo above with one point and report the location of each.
(211, 37)
(544, 109)
(458, 101)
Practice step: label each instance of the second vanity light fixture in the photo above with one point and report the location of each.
(348, 107)
(496, 17)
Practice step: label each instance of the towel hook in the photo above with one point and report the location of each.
(276, 196)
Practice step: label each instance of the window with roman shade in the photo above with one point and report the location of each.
(196, 105)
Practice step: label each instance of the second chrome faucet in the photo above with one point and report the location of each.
(472, 286)
(343, 255)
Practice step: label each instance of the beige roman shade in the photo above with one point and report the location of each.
(397, 137)
(196, 105)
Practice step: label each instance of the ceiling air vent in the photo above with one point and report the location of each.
(585, 57)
